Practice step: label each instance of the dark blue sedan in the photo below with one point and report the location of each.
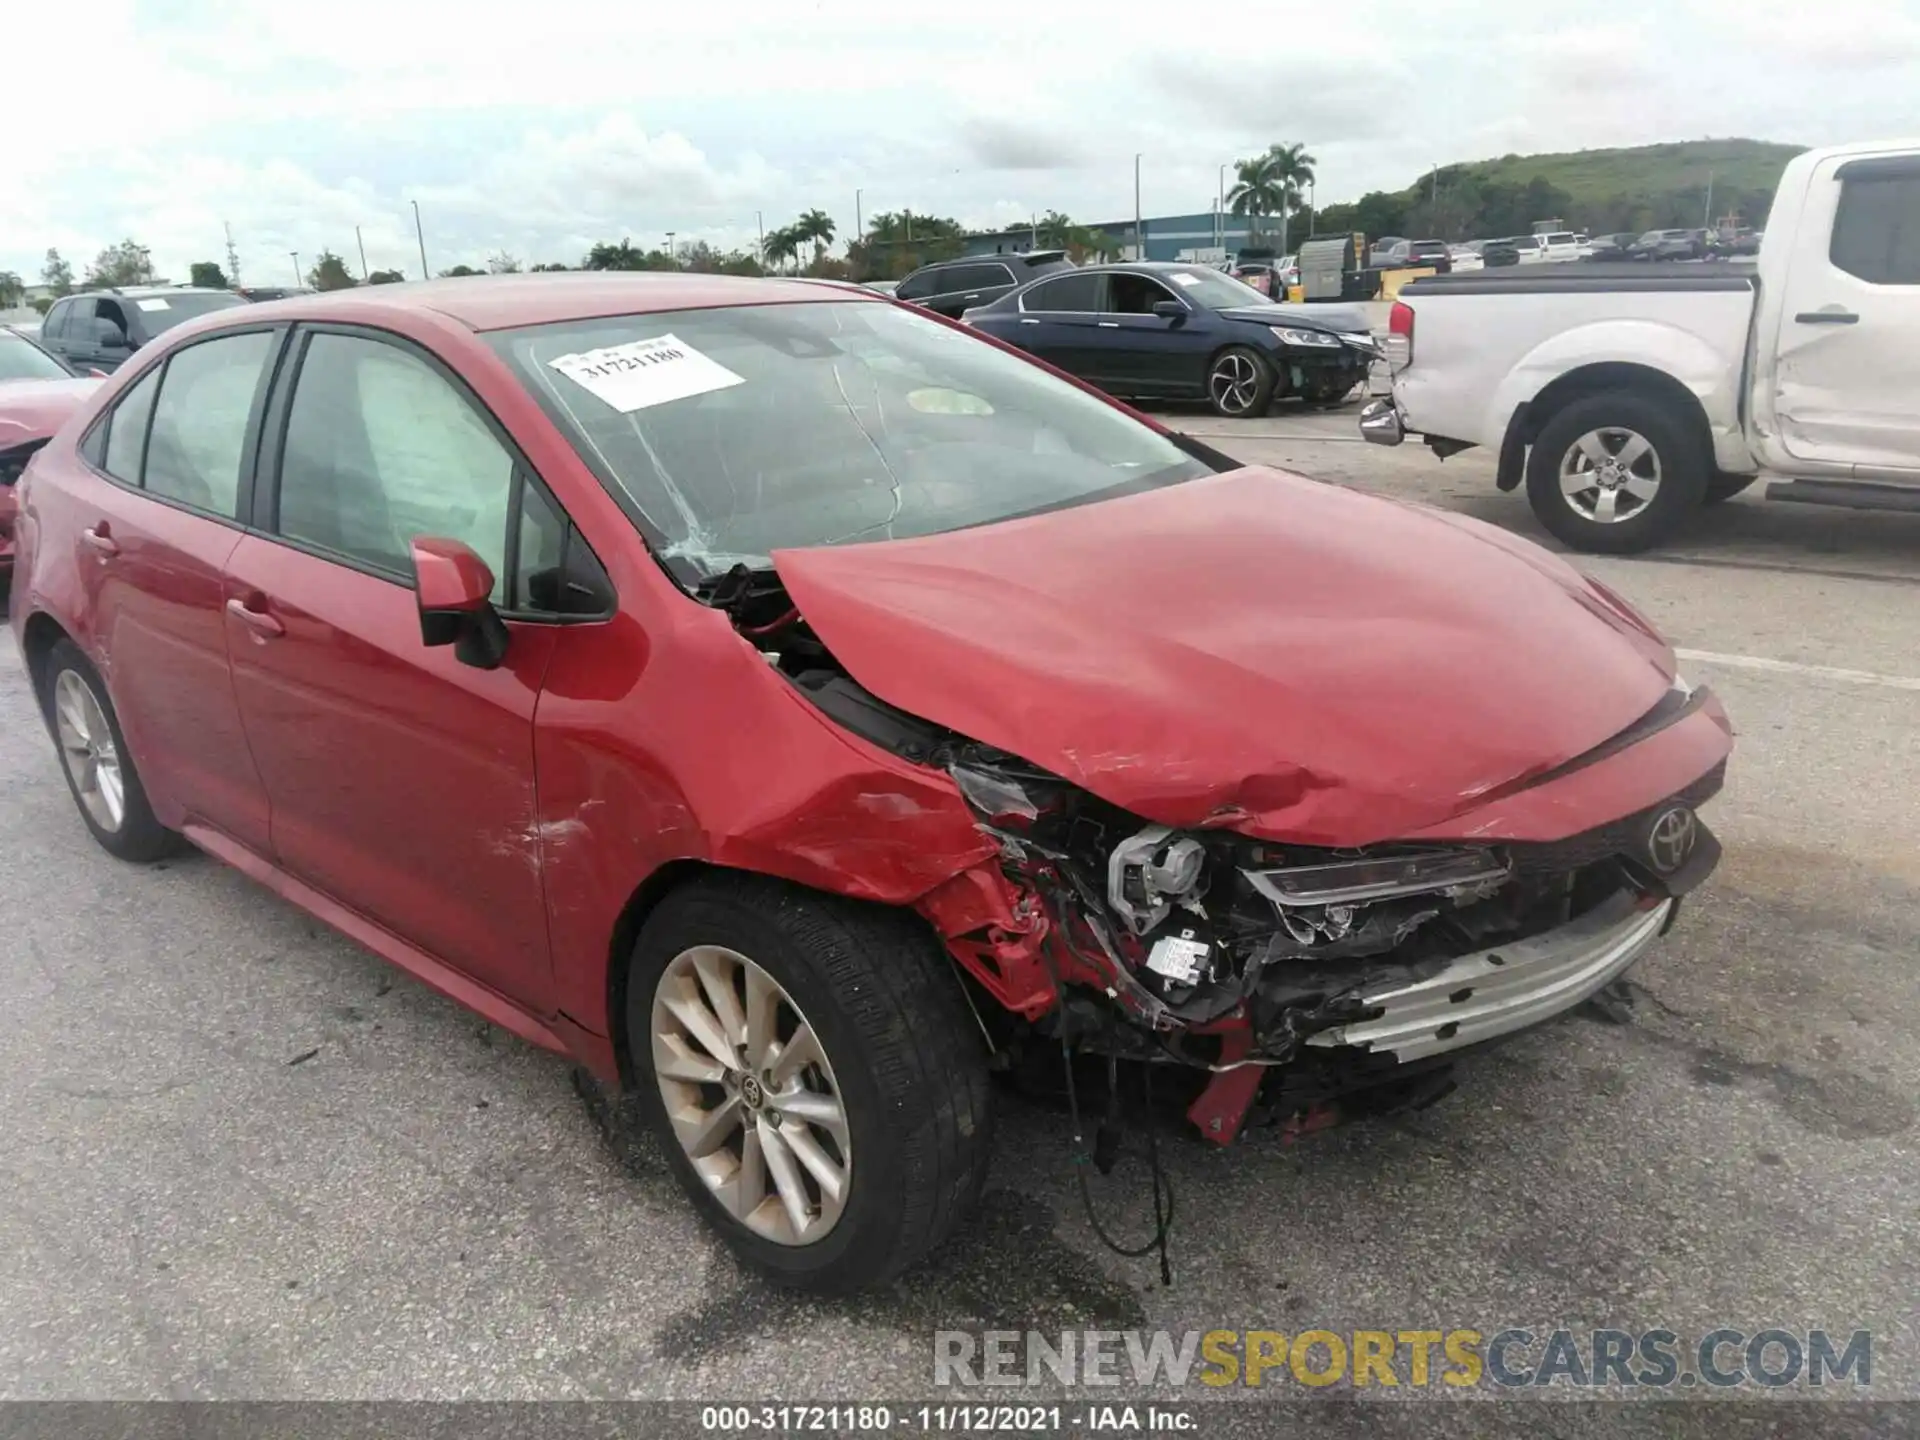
(1184, 332)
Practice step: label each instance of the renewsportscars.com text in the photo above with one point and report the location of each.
(1511, 1358)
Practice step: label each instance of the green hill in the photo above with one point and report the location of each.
(1638, 188)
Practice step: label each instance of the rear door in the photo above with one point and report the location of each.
(1848, 365)
(78, 342)
(171, 469)
(1057, 321)
(401, 779)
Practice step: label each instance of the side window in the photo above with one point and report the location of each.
(1134, 294)
(554, 571)
(995, 275)
(380, 448)
(1876, 230)
(55, 326)
(112, 312)
(199, 432)
(1078, 293)
(126, 429)
(918, 286)
(79, 329)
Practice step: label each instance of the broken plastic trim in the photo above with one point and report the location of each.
(1349, 882)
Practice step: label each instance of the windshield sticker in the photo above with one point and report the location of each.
(1180, 279)
(645, 373)
(151, 304)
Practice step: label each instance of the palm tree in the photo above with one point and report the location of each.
(11, 289)
(781, 244)
(1271, 184)
(815, 226)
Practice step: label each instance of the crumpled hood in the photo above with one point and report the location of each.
(35, 409)
(1254, 650)
(1338, 319)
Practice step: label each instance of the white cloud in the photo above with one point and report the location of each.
(542, 132)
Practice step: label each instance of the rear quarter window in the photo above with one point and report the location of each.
(1876, 229)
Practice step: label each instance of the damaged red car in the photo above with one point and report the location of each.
(793, 706)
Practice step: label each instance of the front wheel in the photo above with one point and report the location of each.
(1615, 473)
(1240, 383)
(814, 1074)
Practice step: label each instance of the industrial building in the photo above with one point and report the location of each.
(1163, 237)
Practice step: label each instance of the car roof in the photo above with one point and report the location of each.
(500, 302)
(134, 291)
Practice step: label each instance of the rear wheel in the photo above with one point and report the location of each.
(93, 755)
(814, 1075)
(1615, 472)
(1240, 383)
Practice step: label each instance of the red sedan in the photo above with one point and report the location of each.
(790, 704)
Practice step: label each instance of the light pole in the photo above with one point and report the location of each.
(1139, 245)
(1313, 213)
(1220, 211)
(296, 265)
(859, 235)
(421, 236)
(363, 251)
(670, 255)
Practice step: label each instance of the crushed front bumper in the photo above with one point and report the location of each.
(1506, 988)
(1381, 423)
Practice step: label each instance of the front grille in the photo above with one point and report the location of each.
(1621, 837)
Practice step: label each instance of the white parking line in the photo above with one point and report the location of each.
(1794, 667)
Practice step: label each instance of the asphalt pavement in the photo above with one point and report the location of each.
(244, 1159)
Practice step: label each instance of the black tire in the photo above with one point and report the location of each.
(138, 836)
(1240, 383)
(906, 1057)
(1723, 487)
(1683, 468)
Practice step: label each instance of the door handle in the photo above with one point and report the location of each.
(1826, 317)
(263, 625)
(1109, 324)
(1029, 322)
(100, 537)
(970, 297)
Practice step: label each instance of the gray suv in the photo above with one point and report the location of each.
(949, 287)
(100, 329)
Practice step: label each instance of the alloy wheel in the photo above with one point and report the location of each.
(1234, 383)
(1610, 475)
(751, 1096)
(88, 750)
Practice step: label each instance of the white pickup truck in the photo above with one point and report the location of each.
(1627, 395)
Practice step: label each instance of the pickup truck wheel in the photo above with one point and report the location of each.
(1240, 383)
(814, 1075)
(1615, 473)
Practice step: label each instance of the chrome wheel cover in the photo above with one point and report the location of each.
(1233, 383)
(1610, 475)
(88, 751)
(751, 1096)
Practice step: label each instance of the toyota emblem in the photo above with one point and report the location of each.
(1671, 838)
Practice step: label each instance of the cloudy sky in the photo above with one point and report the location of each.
(540, 129)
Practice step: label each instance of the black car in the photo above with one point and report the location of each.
(1670, 245)
(1618, 246)
(100, 329)
(948, 287)
(1184, 332)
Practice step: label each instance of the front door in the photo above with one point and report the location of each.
(402, 780)
(1057, 320)
(1848, 363)
(155, 539)
(1150, 354)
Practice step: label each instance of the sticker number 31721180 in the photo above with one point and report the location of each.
(645, 372)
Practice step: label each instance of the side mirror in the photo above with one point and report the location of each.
(453, 587)
(111, 336)
(1169, 309)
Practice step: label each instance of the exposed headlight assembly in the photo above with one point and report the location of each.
(1317, 339)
